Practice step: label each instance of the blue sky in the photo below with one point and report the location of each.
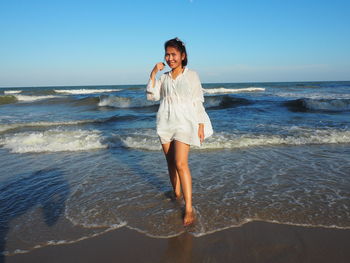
(118, 42)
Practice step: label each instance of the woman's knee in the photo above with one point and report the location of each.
(181, 164)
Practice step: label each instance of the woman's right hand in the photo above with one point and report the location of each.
(158, 67)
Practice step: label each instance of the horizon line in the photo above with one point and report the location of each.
(203, 83)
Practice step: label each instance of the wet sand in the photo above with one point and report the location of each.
(253, 242)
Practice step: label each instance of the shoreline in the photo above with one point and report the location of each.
(253, 242)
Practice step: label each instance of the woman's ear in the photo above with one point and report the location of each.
(183, 56)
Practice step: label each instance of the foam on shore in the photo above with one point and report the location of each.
(30, 98)
(54, 140)
(225, 90)
(12, 91)
(222, 140)
(123, 102)
(85, 91)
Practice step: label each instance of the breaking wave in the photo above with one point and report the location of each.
(7, 99)
(12, 91)
(300, 137)
(225, 90)
(222, 140)
(55, 140)
(85, 91)
(124, 102)
(139, 141)
(221, 101)
(224, 101)
(29, 98)
(87, 101)
(313, 95)
(319, 105)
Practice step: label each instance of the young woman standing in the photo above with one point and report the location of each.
(181, 118)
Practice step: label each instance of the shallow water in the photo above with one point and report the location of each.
(78, 161)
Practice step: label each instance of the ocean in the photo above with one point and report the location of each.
(79, 161)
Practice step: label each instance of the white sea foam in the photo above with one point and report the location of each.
(222, 140)
(225, 90)
(12, 126)
(145, 139)
(12, 91)
(312, 95)
(54, 140)
(85, 91)
(65, 242)
(327, 105)
(28, 98)
(141, 142)
(228, 141)
(113, 101)
(123, 102)
(249, 220)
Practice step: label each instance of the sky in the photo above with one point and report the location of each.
(82, 42)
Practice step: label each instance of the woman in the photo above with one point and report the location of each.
(181, 118)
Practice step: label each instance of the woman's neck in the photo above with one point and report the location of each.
(177, 71)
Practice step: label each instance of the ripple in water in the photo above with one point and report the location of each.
(246, 186)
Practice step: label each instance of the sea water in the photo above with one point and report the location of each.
(79, 161)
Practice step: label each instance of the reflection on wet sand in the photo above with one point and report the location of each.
(179, 249)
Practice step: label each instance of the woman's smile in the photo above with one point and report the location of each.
(173, 57)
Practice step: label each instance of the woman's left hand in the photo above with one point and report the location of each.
(201, 132)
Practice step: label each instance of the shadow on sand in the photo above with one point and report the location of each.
(46, 189)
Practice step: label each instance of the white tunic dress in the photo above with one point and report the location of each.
(181, 107)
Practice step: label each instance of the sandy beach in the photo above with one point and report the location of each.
(253, 242)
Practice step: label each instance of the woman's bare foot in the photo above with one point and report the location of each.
(189, 218)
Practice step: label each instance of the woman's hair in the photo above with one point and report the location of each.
(179, 45)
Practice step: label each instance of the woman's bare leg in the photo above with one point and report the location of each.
(168, 150)
(181, 151)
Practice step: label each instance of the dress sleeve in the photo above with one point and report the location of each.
(198, 99)
(153, 93)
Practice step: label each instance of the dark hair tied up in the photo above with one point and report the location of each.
(179, 45)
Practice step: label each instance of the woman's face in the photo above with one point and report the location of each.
(173, 57)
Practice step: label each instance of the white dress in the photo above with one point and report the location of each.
(181, 107)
